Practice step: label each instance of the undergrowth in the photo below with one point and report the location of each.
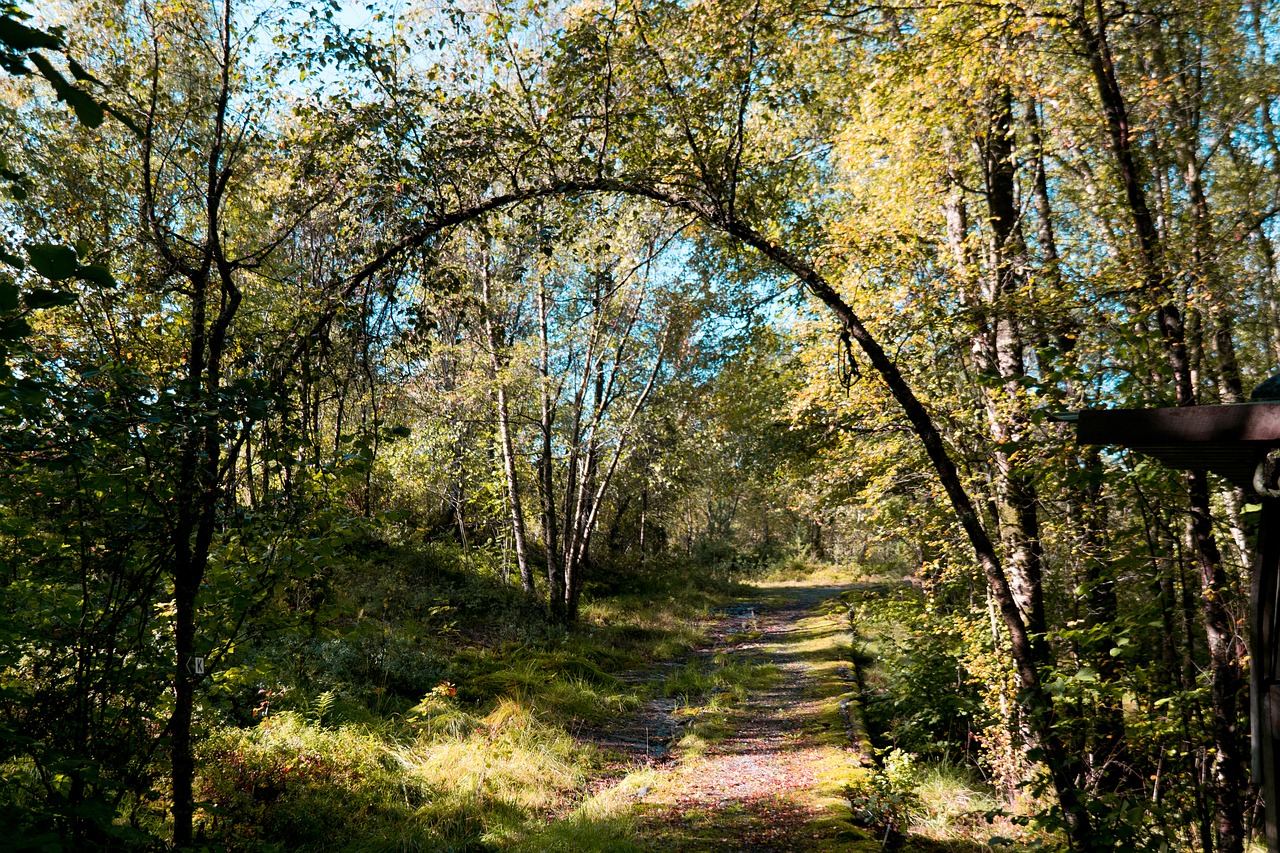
(932, 783)
(422, 705)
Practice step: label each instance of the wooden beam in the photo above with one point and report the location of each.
(1191, 425)
(1227, 440)
(1264, 666)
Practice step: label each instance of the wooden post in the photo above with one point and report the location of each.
(1264, 669)
(1239, 442)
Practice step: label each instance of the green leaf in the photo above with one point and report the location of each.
(21, 38)
(1086, 674)
(52, 261)
(13, 260)
(49, 298)
(96, 274)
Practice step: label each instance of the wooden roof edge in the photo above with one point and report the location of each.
(1249, 423)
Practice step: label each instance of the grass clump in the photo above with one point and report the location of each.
(954, 803)
(604, 822)
(710, 694)
(725, 679)
(563, 682)
(465, 781)
(929, 806)
(510, 761)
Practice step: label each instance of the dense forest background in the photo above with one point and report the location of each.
(333, 331)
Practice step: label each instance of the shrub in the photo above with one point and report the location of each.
(885, 800)
(920, 698)
(289, 781)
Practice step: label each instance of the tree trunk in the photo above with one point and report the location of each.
(1015, 494)
(515, 501)
(644, 520)
(546, 473)
(519, 532)
(1226, 679)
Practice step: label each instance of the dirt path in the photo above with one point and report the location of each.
(755, 763)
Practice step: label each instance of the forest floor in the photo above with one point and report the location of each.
(679, 720)
(746, 747)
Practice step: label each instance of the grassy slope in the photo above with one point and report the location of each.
(433, 709)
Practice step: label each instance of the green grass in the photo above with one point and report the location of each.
(952, 804)
(435, 709)
(710, 693)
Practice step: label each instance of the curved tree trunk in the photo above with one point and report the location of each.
(1028, 658)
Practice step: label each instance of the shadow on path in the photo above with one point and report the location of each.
(755, 759)
(754, 788)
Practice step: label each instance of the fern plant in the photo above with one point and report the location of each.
(322, 705)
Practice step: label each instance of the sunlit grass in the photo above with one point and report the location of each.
(710, 694)
(487, 759)
(795, 570)
(494, 756)
(642, 630)
(952, 805)
(463, 778)
(604, 821)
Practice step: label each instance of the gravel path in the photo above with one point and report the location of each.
(756, 789)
